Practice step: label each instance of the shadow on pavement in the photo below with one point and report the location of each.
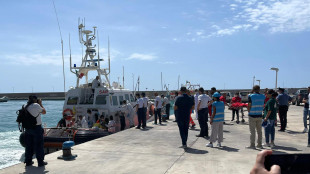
(33, 169)
(293, 132)
(147, 128)
(278, 152)
(195, 151)
(285, 148)
(228, 149)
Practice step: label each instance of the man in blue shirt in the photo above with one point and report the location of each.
(182, 108)
(283, 100)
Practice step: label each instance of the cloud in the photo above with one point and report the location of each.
(139, 56)
(277, 16)
(168, 62)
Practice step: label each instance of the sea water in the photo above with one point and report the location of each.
(11, 152)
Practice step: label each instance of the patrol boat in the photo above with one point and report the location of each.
(104, 100)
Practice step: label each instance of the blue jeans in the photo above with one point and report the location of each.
(306, 113)
(269, 130)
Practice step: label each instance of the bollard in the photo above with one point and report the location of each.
(66, 151)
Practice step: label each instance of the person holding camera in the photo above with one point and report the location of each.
(34, 137)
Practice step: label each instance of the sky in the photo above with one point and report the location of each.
(216, 43)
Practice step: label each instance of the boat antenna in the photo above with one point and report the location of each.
(109, 60)
(98, 50)
(123, 78)
(62, 49)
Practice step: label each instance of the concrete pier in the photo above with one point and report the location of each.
(157, 150)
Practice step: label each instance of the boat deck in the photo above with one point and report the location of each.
(156, 150)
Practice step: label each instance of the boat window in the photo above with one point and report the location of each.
(131, 98)
(114, 99)
(120, 99)
(127, 97)
(101, 99)
(72, 100)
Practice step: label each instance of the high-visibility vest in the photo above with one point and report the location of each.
(219, 115)
(257, 105)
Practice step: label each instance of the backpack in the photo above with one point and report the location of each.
(25, 119)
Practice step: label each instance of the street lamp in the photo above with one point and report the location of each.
(258, 82)
(253, 80)
(276, 69)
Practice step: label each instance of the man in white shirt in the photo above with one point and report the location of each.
(34, 137)
(145, 104)
(140, 111)
(158, 106)
(196, 102)
(95, 83)
(167, 105)
(202, 107)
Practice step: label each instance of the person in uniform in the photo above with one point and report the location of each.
(158, 106)
(202, 107)
(34, 137)
(182, 107)
(145, 104)
(139, 110)
(283, 100)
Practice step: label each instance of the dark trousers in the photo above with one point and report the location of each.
(168, 110)
(144, 118)
(34, 144)
(140, 116)
(123, 123)
(283, 116)
(203, 121)
(183, 122)
(233, 114)
(157, 113)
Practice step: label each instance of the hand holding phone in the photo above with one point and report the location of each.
(289, 163)
(259, 167)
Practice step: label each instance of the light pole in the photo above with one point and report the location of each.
(258, 82)
(276, 69)
(253, 80)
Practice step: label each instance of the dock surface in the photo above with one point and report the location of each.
(157, 150)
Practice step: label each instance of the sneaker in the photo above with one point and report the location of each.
(209, 145)
(155, 123)
(242, 120)
(250, 147)
(305, 130)
(259, 147)
(219, 145)
(42, 164)
(267, 144)
(272, 144)
(184, 146)
(232, 120)
(137, 127)
(237, 121)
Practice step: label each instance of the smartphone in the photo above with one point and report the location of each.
(289, 163)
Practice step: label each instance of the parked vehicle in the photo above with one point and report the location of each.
(299, 96)
(244, 96)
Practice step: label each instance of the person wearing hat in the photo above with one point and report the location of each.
(255, 109)
(270, 116)
(216, 120)
(182, 107)
(34, 137)
(283, 100)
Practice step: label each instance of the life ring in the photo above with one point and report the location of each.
(67, 110)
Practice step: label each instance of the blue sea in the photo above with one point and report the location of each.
(11, 152)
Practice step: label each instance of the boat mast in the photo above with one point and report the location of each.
(89, 63)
